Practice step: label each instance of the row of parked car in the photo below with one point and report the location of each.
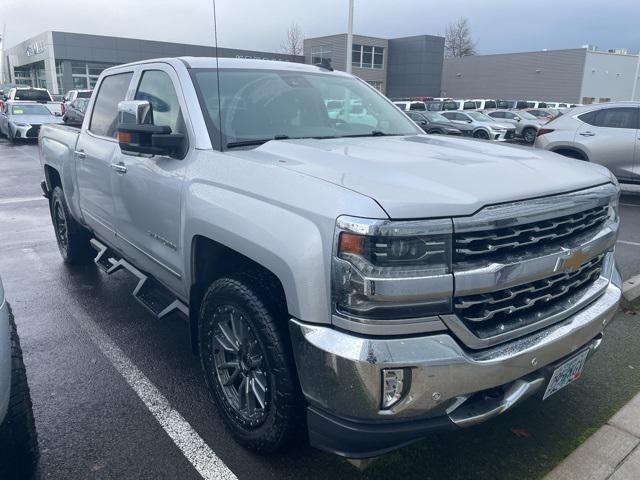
(23, 110)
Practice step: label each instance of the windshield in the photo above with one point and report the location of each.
(480, 117)
(33, 95)
(29, 110)
(261, 105)
(526, 115)
(435, 117)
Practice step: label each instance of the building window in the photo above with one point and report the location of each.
(59, 75)
(85, 75)
(376, 84)
(367, 56)
(320, 54)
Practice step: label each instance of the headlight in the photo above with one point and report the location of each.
(384, 270)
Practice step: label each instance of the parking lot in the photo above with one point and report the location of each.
(108, 380)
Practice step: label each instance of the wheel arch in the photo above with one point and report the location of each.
(571, 152)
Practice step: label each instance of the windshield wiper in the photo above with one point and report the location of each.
(257, 141)
(375, 133)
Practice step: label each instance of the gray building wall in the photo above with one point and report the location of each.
(415, 66)
(337, 44)
(70, 47)
(608, 76)
(554, 75)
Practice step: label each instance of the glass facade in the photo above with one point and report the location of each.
(85, 75)
(33, 75)
(377, 85)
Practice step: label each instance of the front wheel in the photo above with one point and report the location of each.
(481, 134)
(529, 135)
(247, 363)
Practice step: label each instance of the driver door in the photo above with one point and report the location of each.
(148, 188)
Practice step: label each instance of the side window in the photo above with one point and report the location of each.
(490, 105)
(509, 115)
(497, 114)
(613, 118)
(462, 117)
(157, 88)
(449, 115)
(469, 106)
(113, 90)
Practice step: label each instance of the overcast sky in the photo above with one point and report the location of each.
(497, 25)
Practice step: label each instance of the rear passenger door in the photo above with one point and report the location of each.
(95, 152)
(609, 136)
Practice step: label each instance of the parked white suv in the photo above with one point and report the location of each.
(606, 134)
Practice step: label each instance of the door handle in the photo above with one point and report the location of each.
(588, 134)
(80, 154)
(119, 167)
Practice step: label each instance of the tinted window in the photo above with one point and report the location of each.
(469, 106)
(542, 105)
(496, 114)
(490, 104)
(104, 118)
(84, 95)
(612, 118)
(521, 105)
(417, 106)
(32, 95)
(449, 115)
(157, 88)
(462, 117)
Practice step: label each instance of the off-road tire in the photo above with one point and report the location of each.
(18, 437)
(265, 312)
(74, 246)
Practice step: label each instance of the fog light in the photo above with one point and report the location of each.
(394, 383)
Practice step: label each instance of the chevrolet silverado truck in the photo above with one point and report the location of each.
(345, 277)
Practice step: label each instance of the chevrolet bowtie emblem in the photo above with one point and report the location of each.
(572, 262)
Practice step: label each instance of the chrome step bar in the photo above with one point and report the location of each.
(148, 291)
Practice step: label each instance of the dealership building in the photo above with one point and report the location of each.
(398, 67)
(578, 75)
(62, 61)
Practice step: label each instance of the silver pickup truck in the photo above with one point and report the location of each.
(343, 275)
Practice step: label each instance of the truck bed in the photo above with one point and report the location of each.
(57, 144)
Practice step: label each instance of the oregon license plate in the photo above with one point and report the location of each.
(568, 372)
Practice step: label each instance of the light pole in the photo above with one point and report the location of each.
(350, 37)
(635, 80)
(2, 59)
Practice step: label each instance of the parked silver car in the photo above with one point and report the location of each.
(21, 120)
(485, 127)
(18, 440)
(526, 125)
(606, 134)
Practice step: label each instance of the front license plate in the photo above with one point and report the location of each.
(567, 373)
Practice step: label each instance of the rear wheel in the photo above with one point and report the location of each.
(247, 363)
(529, 135)
(436, 131)
(481, 134)
(18, 438)
(72, 238)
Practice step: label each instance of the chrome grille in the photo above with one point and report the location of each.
(494, 313)
(476, 245)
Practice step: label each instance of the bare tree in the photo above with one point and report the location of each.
(457, 39)
(292, 45)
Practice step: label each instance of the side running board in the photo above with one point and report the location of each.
(149, 292)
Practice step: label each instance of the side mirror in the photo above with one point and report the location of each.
(517, 119)
(423, 122)
(469, 121)
(138, 134)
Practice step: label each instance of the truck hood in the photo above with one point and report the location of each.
(427, 176)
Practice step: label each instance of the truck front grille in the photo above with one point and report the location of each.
(486, 244)
(495, 313)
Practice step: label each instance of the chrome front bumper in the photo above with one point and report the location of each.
(340, 374)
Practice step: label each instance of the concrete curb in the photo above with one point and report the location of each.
(630, 292)
(613, 452)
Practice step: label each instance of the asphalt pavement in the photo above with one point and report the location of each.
(84, 338)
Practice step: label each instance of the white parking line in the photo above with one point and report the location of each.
(626, 242)
(9, 201)
(193, 447)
